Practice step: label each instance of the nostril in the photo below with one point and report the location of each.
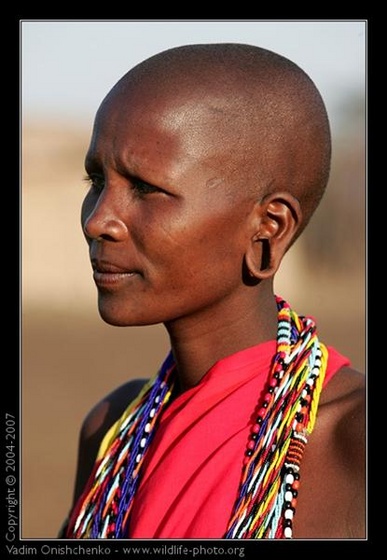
(104, 237)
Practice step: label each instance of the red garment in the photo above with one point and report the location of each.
(192, 470)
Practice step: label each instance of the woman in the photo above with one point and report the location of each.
(206, 163)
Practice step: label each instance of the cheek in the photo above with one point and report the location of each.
(207, 252)
(187, 265)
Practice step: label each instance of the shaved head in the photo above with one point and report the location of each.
(254, 110)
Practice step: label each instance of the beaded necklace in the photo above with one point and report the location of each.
(270, 476)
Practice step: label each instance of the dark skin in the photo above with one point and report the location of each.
(193, 203)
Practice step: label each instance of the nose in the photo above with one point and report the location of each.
(100, 220)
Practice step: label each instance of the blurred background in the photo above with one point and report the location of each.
(70, 358)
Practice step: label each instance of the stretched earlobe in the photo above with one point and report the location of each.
(259, 261)
(248, 276)
(279, 218)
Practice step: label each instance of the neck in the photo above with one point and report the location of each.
(199, 342)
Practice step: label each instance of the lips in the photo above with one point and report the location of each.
(109, 275)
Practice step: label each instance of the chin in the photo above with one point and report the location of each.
(116, 318)
(120, 312)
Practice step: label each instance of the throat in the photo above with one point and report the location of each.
(195, 355)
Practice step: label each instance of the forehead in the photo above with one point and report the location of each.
(172, 125)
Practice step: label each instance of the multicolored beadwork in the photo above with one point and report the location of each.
(270, 476)
(286, 416)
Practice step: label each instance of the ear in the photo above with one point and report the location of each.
(275, 221)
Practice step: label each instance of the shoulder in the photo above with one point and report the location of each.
(334, 464)
(95, 425)
(342, 417)
(109, 409)
(344, 400)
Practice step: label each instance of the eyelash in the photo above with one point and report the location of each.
(141, 188)
(92, 182)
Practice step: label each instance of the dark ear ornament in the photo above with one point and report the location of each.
(279, 217)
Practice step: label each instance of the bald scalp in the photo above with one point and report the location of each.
(262, 110)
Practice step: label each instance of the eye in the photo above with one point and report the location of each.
(142, 188)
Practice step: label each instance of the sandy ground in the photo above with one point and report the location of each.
(71, 359)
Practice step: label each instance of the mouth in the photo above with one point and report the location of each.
(109, 275)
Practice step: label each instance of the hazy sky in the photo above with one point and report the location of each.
(68, 66)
